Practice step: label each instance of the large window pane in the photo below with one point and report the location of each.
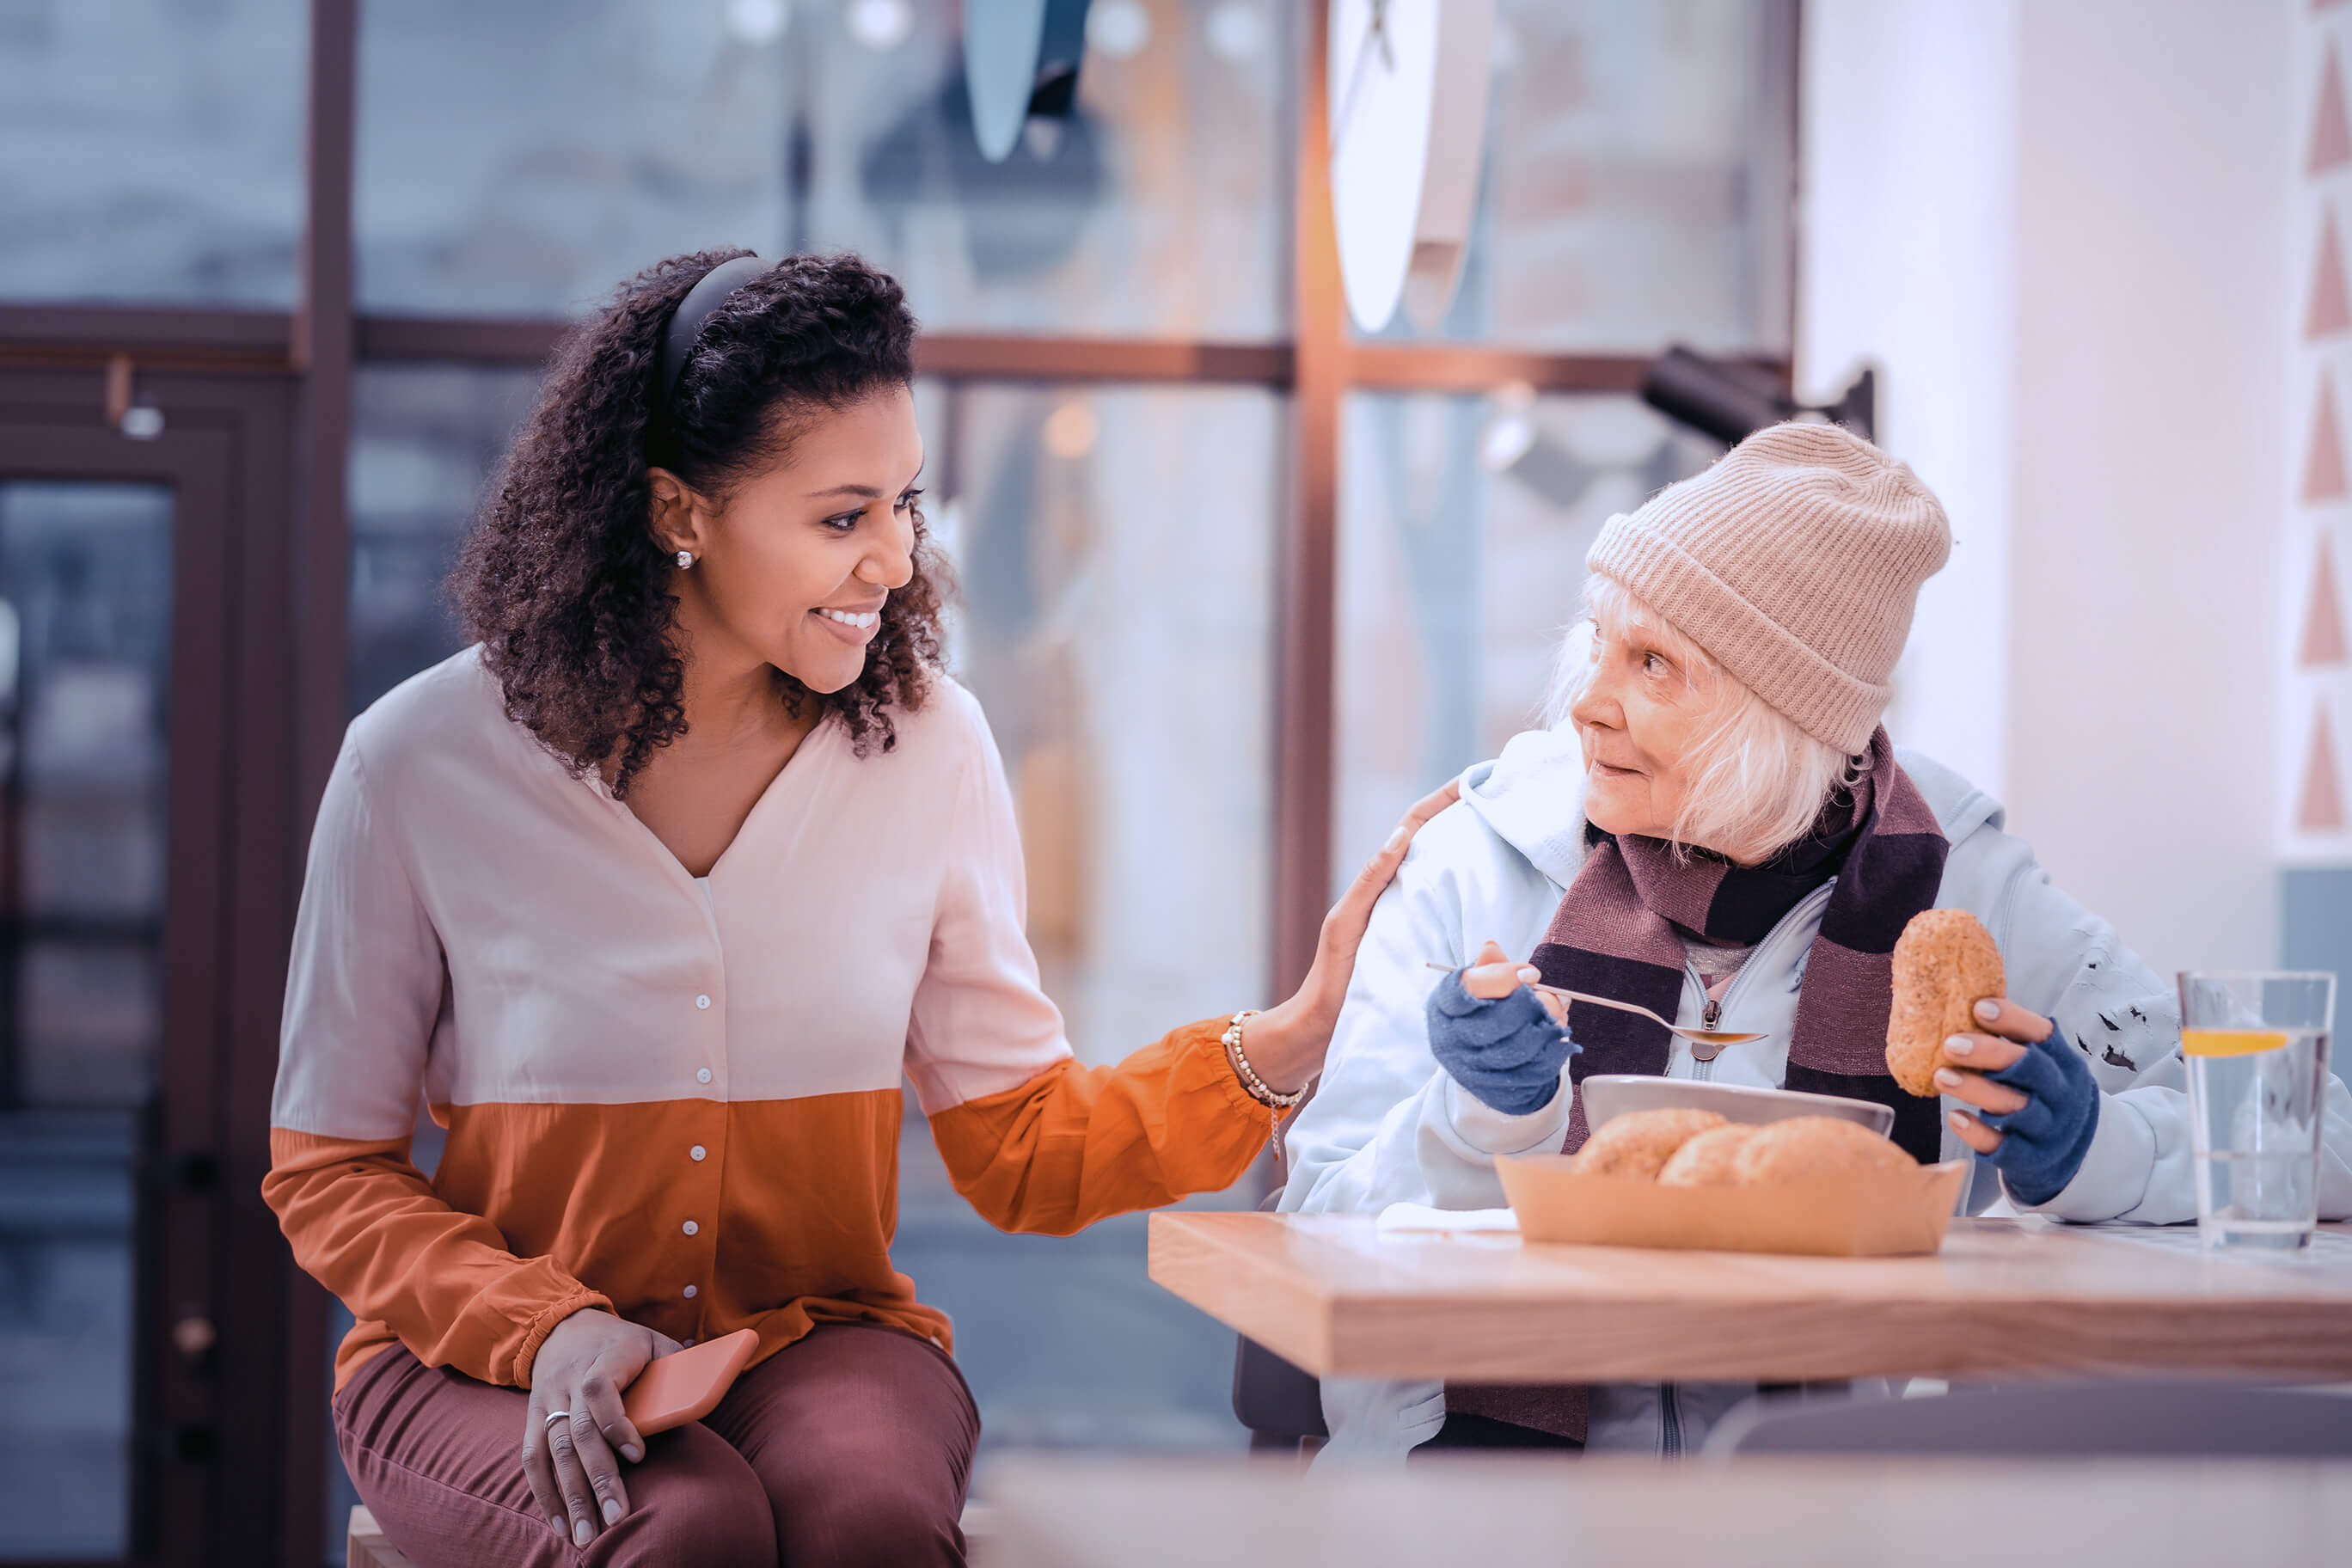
(85, 637)
(151, 150)
(1638, 178)
(1463, 523)
(1115, 553)
(424, 441)
(523, 157)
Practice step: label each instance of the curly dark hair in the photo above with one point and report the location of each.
(562, 580)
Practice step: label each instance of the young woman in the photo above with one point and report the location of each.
(653, 895)
(1718, 829)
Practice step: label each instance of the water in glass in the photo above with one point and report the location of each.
(2256, 1051)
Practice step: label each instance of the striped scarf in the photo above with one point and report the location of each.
(1614, 935)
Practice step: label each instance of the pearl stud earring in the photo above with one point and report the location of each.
(686, 558)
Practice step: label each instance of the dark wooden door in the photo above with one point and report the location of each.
(148, 816)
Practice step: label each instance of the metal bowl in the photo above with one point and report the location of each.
(1608, 1095)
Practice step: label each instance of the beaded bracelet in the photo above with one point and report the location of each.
(1257, 1086)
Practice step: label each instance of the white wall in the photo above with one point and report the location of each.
(2063, 227)
(2153, 267)
(1907, 174)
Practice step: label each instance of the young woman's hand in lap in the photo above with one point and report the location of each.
(579, 1373)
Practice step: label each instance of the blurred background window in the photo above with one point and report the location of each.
(151, 151)
(1115, 548)
(1116, 542)
(1638, 183)
(1463, 522)
(522, 158)
(85, 627)
(424, 441)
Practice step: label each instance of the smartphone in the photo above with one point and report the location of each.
(687, 1385)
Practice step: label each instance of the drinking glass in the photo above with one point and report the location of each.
(2256, 1048)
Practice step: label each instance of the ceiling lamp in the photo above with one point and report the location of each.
(1021, 61)
(1406, 110)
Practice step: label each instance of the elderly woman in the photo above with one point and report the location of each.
(1722, 833)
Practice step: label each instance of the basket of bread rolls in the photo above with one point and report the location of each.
(1676, 1163)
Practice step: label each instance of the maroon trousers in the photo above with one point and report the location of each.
(851, 1447)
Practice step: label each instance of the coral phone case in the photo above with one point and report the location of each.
(687, 1386)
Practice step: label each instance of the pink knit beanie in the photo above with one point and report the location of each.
(1795, 562)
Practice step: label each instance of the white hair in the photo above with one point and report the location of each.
(1758, 782)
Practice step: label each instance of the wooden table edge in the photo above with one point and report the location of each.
(1223, 1270)
(1303, 1339)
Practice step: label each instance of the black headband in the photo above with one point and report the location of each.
(686, 323)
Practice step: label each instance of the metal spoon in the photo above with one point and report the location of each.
(1718, 1038)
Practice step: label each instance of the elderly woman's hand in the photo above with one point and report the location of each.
(1497, 1039)
(2038, 1104)
(1285, 1043)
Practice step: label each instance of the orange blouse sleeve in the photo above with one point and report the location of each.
(365, 1223)
(1076, 1144)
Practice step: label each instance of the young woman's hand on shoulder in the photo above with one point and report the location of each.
(1285, 1043)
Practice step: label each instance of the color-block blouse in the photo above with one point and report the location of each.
(676, 1102)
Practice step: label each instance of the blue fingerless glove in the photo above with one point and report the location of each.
(2044, 1140)
(1507, 1052)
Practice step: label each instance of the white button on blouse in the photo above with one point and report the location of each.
(697, 1153)
(702, 1075)
(691, 1227)
(702, 1002)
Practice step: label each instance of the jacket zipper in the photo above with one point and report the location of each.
(1711, 1014)
(1670, 1409)
(1707, 1019)
(1702, 1068)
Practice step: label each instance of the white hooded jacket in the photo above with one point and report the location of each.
(1387, 1126)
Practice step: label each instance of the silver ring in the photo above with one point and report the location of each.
(555, 1415)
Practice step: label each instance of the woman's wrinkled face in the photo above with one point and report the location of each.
(1648, 700)
(797, 564)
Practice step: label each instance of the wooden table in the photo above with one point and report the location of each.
(1072, 1512)
(2005, 1299)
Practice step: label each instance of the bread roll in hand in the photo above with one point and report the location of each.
(1945, 963)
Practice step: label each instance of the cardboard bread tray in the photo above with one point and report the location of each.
(1876, 1217)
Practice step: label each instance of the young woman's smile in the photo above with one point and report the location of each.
(793, 567)
(853, 626)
